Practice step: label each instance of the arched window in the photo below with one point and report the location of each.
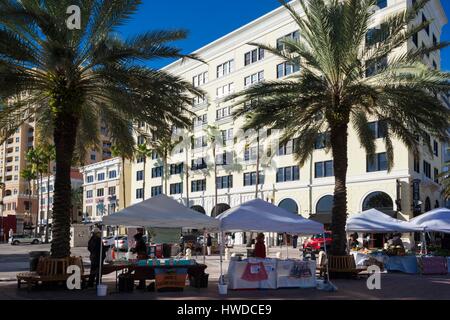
(221, 207)
(325, 204)
(8, 193)
(198, 209)
(289, 205)
(427, 204)
(379, 200)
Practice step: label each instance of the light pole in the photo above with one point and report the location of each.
(2, 187)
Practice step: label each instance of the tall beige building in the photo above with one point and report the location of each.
(410, 188)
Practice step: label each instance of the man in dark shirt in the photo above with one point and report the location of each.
(95, 246)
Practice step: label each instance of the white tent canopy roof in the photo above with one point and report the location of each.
(437, 220)
(376, 221)
(161, 212)
(261, 216)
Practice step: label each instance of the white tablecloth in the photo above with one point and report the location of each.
(278, 272)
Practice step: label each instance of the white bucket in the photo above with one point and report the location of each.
(102, 289)
(223, 289)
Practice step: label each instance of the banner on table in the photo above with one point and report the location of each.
(174, 278)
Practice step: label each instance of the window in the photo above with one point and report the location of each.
(140, 193)
(417, 164)
(224, 182)
(293, 36)
(89, 194)
(154, 155)
(250, 153)
(111, 191)
(321, 141)
(376, 35)
(284, 69)
(224, 158)
(199, 142)
(176, 188)
(382, 3)
(287, 148)
(100, 192)
(225, 90)
(93, 156)
(112, 174)
(323, 169)
(223, 113)
(198, 164)
(254, 78)
(250, 178)
(156, 191)
(436, 175)
(176, 168)
(157, 172)
(427, 169)
(288, 174)
(198, 185)
(374, 67)
(101, 176)
(140, 175)
(227, 135)
(435, 148)
(253, 56)
(225, 68)
(377, 162)
(201, 120)
(378, 129)
(200, 79)
(198, 100)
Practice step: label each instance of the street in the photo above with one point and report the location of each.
(14, 259)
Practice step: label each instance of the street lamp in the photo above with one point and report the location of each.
(2, 187)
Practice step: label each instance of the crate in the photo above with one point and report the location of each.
(199, 282)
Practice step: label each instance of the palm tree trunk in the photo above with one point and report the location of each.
(40, 211)
(29, 201)
(165, 172)
(338, 139)
(215, 180)
(143, 181)
(48, 204)
(65, 129)
(123, 182)
(187, 179)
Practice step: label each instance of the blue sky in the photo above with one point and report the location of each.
(207, 20)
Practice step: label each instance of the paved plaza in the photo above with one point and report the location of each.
(393, 285)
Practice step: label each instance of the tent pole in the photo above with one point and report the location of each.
(101, 253)
(204, 246)
(221, 259)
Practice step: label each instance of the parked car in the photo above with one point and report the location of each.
(121, 243)
(108, 241)
(316, 242)
(20, 239)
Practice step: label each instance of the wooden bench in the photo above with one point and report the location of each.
(342, 265)
(51, 270)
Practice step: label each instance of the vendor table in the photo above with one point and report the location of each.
(406, 264)
(148, 272)
(267, 273)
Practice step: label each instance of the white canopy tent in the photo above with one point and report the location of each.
(261, 216)
(161, 212)
(374, 221)
(437, 220)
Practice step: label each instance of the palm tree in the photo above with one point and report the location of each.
(337, 87)
(48, 155)
(37, 164)
(28, 174)
(163, 145)
(71, 80)
(213, 135)
(184, 142)
(118, 151)
(143, 151)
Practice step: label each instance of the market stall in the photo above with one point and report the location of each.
(160, 212)
(255, 273)
(392, 259)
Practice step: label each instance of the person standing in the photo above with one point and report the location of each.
(260, 247)
(208, 244)
(294, 241)
(140, 249)
(95, 246)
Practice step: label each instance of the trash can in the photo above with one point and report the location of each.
(34, 258)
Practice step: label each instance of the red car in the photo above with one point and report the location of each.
(316, 242)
